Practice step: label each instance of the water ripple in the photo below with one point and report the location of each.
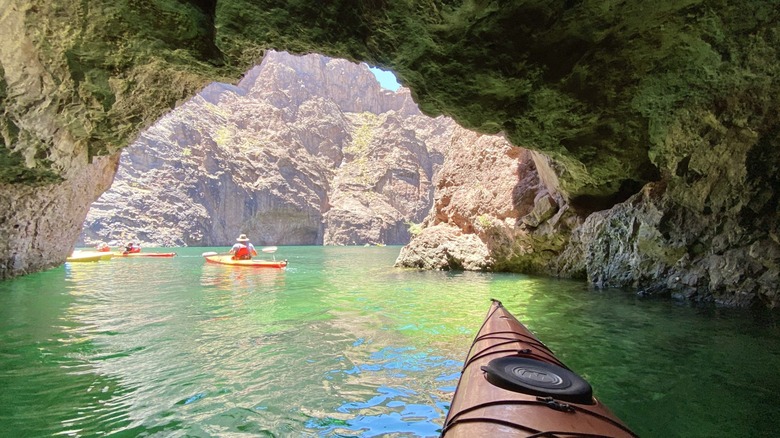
(342, 344)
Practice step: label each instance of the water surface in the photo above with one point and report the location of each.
(343, 344)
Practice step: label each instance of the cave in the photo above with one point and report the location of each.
(625, 104)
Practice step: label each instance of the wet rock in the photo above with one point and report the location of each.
(445, 247)
(545, 207)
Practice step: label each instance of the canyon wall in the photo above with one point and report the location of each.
(305, 150)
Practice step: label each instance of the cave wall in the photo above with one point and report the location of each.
(617, 95)
(37, 223)
(78, 81)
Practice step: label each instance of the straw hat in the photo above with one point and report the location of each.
(242, 238)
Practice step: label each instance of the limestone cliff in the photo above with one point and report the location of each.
(679, 94)
(304, 150)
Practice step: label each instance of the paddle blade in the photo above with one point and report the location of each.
(210, 253)
(269, 249)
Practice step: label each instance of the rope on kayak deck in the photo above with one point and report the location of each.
(540, 401)
(525, 351)
(490, 315)
(468, 353)
(526, 338)
(530, 339)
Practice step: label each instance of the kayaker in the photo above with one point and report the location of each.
(243, 249)
(132, 248)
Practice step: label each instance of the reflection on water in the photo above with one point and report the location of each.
(242, 279)
(342, 344)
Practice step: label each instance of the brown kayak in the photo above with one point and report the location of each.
(513, 386)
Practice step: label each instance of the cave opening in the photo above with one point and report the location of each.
(303, 150)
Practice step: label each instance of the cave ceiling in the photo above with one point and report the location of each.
(595, 85)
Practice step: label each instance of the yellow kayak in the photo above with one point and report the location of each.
(228, 260)
(89, 256)
(144, 254)
(76, 257)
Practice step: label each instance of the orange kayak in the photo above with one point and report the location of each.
(228, 260)
(145, 254)
(512, 385)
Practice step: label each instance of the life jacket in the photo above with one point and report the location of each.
(242, 252)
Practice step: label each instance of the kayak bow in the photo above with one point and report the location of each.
(76, 257)
(512, 385)
(88, 256)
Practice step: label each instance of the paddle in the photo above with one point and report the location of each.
(269, 250)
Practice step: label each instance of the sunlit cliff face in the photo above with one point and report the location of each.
(615, 94)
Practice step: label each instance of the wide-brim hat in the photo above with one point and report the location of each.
(242, 238)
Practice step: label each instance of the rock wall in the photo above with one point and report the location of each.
(492, 211)
(40, 224)
(305, 150)
(76, 85)
(709, 230)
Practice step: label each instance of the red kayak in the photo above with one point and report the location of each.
(512, 385)
(145, 254)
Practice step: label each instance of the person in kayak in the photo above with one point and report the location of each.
(132, 248)
(243, 249)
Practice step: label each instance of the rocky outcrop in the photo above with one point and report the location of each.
(75, 86)
(37, 221)
(491, 212)
(617, 95)
(305, 150)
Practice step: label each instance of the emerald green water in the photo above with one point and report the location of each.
(343, 344)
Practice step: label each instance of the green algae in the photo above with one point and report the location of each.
(600, 83)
